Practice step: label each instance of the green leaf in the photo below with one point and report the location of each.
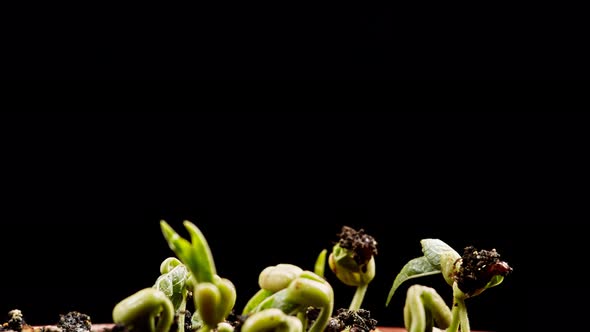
(180, 246)
(200, 249)
(196, 255)
(495, 281)
(417, 267)
(320, 263)
(173, 284)
(433, 248)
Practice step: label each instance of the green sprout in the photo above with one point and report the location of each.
(469, 275)
(292, 299)
(148, 310)
(293, 291)
(353, 262)
(424, 307)
(272, 319)
(175, 282)
(214, 297)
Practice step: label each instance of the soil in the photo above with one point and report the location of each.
(361, 244)
(78, 322)
(478, 267)
(109, 328)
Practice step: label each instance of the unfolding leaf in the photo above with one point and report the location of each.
(417, 267)
(433, 248)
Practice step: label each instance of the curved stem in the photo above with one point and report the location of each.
(322, 321)
(272, 319)
(425, 307)
(359, 295)
(142, 308)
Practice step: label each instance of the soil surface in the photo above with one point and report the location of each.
(109, 328)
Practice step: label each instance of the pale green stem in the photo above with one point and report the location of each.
(459, 312)
(322, 321)
(182, 311)
(454, 327)
(359, 295)
(463, 318)
(302, 315)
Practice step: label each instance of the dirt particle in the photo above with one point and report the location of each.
(74, 321)
(16, 321)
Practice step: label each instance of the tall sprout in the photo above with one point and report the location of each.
(214, 297)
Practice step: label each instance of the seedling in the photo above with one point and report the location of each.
(469, 275)
(293, 299)
(353, 261)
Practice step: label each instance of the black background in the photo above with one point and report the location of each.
(319, 40)
(83, 194)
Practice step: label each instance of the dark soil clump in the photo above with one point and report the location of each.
(356, 320)
(478, 267)
(74, 322)
(361, 244)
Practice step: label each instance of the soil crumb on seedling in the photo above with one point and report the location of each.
(236, 320)
(74, 321)
(362, 245)
(478, 267)
(352, 320)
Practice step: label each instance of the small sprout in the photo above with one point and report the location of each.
(214, 297)
(353, 261)
(196, 254)
(275, 278)
(175, 282)
(301, 289)
(147, 310)
(272, 320)
(424, 308)
(357, 246)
